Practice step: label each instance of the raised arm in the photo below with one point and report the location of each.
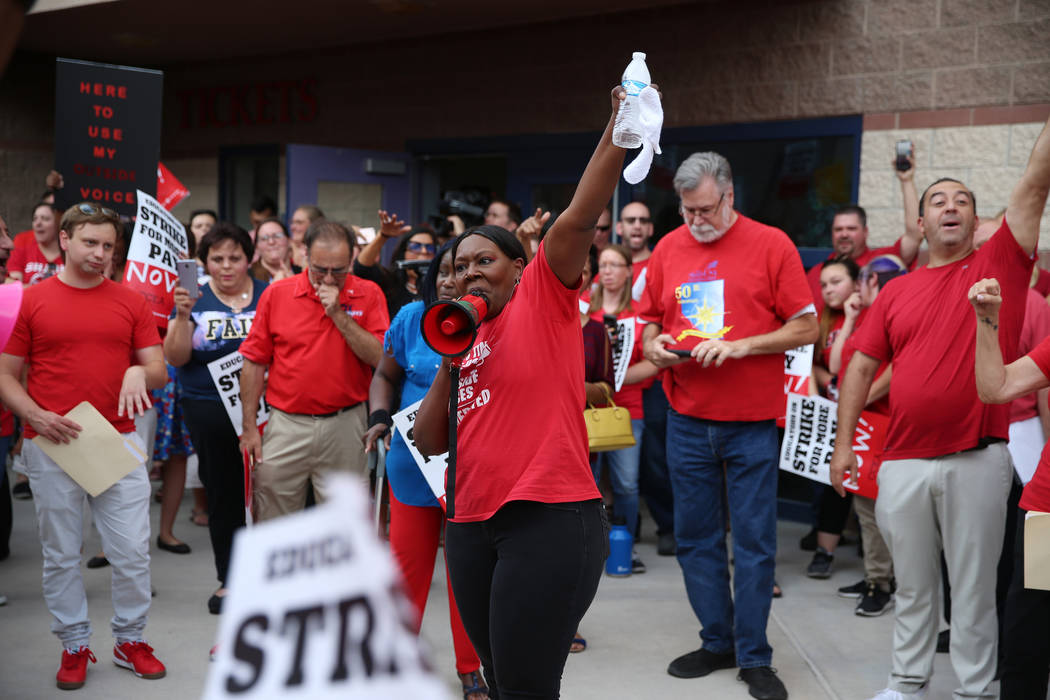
(912, 238)
(570, 237)
(389, 227)
(1028, 198)
(997, 383)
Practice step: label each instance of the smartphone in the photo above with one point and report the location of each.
(903, 154)
(681, 353)
(188, 277)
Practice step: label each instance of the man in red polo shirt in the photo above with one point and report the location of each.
(946, 471)
(320, 333)
(86, 338)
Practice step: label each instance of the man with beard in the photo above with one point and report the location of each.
(729, 294)
(635, 228)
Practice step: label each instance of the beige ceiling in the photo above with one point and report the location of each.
(166, 32)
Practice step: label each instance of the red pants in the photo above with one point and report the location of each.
(414, 535)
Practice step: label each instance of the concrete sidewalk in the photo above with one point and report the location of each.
(635, 627)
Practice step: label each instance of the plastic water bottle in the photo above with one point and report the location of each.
(627, 131)
(620, 546)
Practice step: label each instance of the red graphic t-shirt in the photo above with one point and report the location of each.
(748, 282)
(33, 264)
(521, 398)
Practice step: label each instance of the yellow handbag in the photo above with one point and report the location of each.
(608, 428)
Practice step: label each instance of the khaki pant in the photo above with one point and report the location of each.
(878, 565)
(297, 448)
(957, 502)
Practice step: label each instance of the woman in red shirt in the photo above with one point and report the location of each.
(1026, 621)
(42, 257)
(527, 535)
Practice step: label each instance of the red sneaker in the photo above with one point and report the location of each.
(73, 671)
(138, 656)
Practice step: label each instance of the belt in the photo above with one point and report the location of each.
(329, 415)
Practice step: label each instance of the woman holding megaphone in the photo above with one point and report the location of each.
(527, 533)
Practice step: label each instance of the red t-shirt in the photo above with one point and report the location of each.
(1036, 327)
(312, 368)
(882, 406)
(638, 278)
(78, 343)
(1036, 494)
(813, 276)
(630, 395)
(521, 400)
(748, 282)
(923, 324)
(33, 264)
(837, 321)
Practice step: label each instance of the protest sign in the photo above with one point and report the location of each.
(159, 239)
(169, 190)
(798, 366)
(315, 610)
(622, 346)
(433, 467)
(107, 133)
(809, 440)
(226, 374)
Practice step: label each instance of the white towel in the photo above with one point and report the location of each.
(651, 118)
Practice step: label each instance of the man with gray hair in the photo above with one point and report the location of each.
(725, 296)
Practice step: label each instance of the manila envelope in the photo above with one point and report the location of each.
(1037, 551)
(99, 457)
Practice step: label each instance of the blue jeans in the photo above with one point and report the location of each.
(696, 452)
(623, 473)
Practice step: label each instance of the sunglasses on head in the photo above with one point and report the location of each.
(92, 209)
(417, 247)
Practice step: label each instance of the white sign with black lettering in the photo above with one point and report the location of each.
(433, 468)
(315, 610)
(798, 365)
(622, 346)
(226, 373)
(809, 437)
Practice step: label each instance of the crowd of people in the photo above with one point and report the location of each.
(688, 336)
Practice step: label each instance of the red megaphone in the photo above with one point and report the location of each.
(449, 327)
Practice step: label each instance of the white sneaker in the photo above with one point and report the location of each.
(890, 694)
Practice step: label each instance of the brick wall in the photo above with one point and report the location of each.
(718, 62)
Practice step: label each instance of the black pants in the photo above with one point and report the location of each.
(1026, 632)
(222, 473)
(523, 580)
(834, 511)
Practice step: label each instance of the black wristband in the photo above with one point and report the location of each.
(379, 416)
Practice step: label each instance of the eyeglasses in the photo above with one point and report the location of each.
(417, 247)
(611, 265)
(632, 220)
(93, 209)
(703, 212)
(603, 229)
(323, 272)
(271, 237)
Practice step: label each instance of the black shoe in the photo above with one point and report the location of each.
(944, 642)
(666, 545)
(875, 602)
(762, 683)
(637, 566)
(21, 491)
(215, 604)
(809, 542)
(820, 567)
(180, 548)
(857, 590)
(97, 562)
(701, 662)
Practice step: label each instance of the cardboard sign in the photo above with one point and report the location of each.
(226, 374)
(622, 346)
(169, 190)
(433, 468)
(809, 440)
(107, 133)
(159, 239)
(315, 610)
